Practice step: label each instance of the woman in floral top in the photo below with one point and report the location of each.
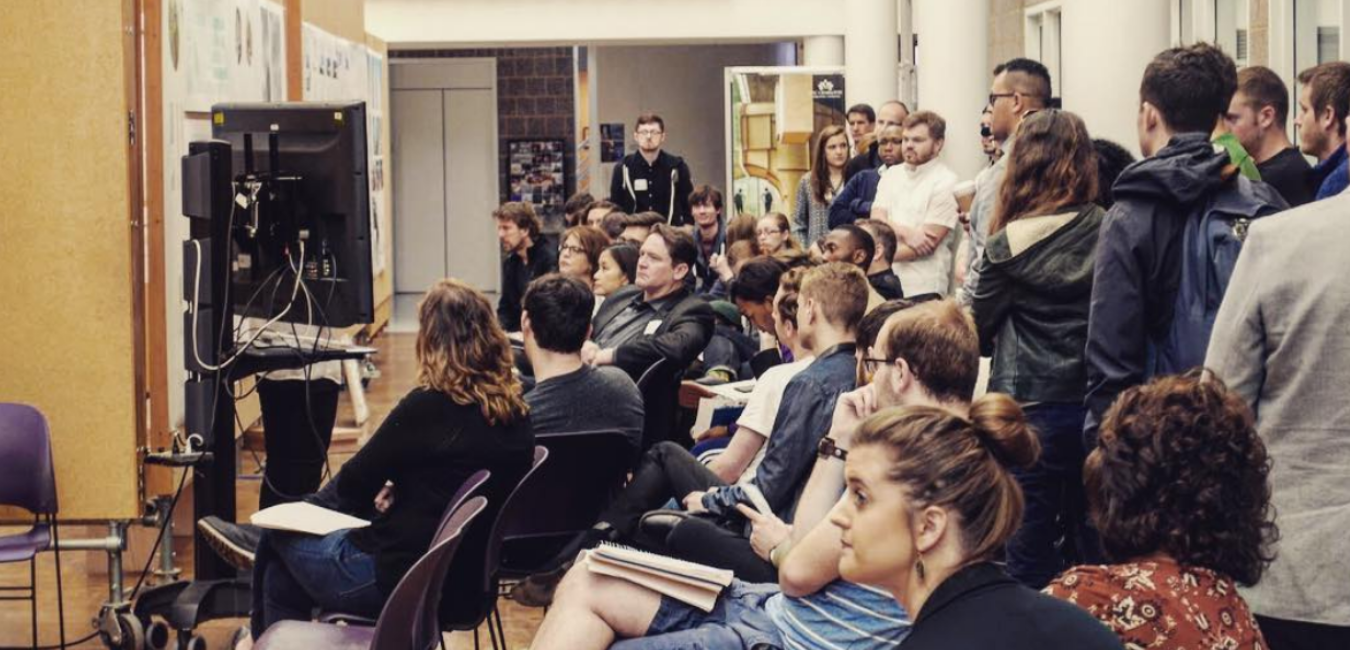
(1179, 492)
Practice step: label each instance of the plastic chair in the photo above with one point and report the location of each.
(488, 590)
(28, 480)
(660, 388)
(409, 617)
(586, 469)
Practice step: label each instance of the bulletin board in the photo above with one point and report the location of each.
(69, 340)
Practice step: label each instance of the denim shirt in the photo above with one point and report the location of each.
(803, 418)
(1335, 175)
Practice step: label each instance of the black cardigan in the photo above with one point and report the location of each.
(428, 446)
(981, 607)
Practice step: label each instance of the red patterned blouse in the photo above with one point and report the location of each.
(1161, 604)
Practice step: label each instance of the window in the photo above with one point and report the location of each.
(1317, 32)
(1232, 20)
(1044, 38)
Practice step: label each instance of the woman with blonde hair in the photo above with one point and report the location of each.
(811, 210)
(1031, 310)
(466, 414)
(773, 233)
(931, 500)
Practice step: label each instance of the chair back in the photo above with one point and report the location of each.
(409, 618)
(660, 388)
(27, 477)
(650, 375)
(586, 469)
(467, 489)
(514, 503)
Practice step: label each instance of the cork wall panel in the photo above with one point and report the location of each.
(66, 338)
(341, 18)
(1007, 30)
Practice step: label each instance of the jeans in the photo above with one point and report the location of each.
(297, 446)
(707, 541)
(1055, 533)
(666, 472)
(294, 573)
(738, 620)
(730, 349)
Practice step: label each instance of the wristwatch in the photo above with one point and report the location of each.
(827, 449)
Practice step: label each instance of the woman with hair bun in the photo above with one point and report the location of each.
(1179, 490)
(931, 501)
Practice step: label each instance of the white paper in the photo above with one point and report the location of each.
(301, 517)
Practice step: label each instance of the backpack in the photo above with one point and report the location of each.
(1211, 241)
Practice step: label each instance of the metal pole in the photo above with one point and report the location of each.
(116, 591)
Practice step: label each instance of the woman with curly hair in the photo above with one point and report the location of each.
(467, 414)
(1178, 487)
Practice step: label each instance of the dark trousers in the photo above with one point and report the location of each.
(708, 541)
(296, 435)
(667, 471)
(1284, 634)
(730, 349)
(1055, 533)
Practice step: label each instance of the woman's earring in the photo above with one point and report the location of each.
(918, 567)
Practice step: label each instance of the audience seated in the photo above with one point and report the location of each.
(599, 211)
(1179, 491)
(774, 234)
(709, 234)
(579, 255)
(466, 415)
(576, 208)
(636, 228)
(930, 504)
(851, 244)
(555, 323)
(525, 257)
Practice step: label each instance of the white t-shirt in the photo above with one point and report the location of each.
(915, 197)
(762, 408)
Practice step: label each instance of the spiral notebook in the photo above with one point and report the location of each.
(695, 584)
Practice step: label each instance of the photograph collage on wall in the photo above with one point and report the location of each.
(535, 173)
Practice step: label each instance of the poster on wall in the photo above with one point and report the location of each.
(611, 142)
(375, 150)
(226, 50)
(772, 115)
(535, 175)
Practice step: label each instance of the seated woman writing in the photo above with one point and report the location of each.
(1180, 492)
(466, 415)
(931, 502)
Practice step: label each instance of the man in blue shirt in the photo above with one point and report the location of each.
(1323, 103)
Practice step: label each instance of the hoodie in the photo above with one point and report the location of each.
(1138, 263)
(1031, 304)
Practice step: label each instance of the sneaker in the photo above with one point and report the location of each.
(234, 543)
(716, 377)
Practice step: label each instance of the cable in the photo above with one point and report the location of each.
(196, 297)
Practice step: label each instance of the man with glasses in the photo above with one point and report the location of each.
(855, 200)
(1020, 87)
(652, 180)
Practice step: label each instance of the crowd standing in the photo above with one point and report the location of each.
(1158, 461)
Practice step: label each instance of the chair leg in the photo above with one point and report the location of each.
(60, 595)
(32, 597)
(501, 630)
(475, 639)
(492, 632)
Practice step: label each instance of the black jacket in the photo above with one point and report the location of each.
(668, 186)
(981, 607)
(516, 277)
(684, 330)
(1138, 265)
(1031, 305)
(862, 161)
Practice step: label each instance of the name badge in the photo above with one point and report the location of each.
(640, 185)
(651, 328)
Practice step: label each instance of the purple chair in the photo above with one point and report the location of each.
(28, 480)
(487, 597)
(409, 618)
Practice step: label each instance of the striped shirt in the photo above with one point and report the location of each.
(840, 616)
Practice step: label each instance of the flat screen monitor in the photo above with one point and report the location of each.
(300, 184)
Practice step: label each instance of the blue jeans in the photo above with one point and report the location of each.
(1055, 532)
(294, 573)
(738, 621)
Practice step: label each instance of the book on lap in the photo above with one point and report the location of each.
(301, 517)
(689, 582)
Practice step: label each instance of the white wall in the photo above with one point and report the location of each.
(1107, 45)
(953, 77)
(684, 86)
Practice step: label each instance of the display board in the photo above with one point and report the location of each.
(69, 339)
(772, 114)
(535, 173)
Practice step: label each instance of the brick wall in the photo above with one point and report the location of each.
(534, 98)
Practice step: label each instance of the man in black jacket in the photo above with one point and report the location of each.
(525, 257)
(1133, 316)
(892, 113)
(652, 180)
(657, 319)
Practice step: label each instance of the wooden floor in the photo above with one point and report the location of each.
(85, 593)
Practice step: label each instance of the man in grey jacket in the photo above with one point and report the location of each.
(1279, 340)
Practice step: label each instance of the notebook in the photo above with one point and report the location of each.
(695, 584)
(301, 517)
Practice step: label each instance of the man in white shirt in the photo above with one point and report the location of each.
(917, 200)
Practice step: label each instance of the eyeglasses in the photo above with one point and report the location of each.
(769, 231)
(870, 365)
(649, 133)
(572, 249)
(994, 97)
